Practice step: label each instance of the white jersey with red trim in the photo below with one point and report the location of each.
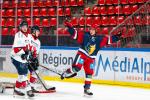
(34, 45)
(20, 41)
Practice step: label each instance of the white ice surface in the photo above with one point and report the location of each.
(74, 91)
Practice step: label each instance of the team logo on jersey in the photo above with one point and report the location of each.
(90, 48)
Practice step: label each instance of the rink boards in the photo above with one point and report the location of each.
(115, 66)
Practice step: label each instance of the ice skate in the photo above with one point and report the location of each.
(30, 93)
(87, 92)
(19, 93)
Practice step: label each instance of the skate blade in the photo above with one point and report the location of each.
(88, 96)
(23, 97)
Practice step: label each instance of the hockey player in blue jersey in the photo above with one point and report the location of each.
(90, 44)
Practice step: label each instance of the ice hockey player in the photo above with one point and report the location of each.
(19, 55)
(90, 44)
(34, 63)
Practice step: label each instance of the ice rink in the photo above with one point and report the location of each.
(74, 91)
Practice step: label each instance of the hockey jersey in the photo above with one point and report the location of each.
(23, 42)
(90, 45)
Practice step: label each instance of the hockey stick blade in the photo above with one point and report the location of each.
(73, 75)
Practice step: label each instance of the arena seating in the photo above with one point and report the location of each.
(105, 13)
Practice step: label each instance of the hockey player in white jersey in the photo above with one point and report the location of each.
(19, 55)
(34, 63)
(34, 48)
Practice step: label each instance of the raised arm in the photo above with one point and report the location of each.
(106, 40)
(74, 33)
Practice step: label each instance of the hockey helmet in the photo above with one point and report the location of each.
(23, 23)
(34, 29)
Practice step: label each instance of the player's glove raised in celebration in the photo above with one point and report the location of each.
(67, 23)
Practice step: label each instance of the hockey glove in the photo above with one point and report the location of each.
(68, 24)
(34, 63)
(27, 55)
(24, 56)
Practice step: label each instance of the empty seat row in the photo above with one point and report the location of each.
(37, 12)
(103, 30)
(44, 3)
(110, 2)
(82, 21)
(104, 10)
(109, 21)
(45, 22)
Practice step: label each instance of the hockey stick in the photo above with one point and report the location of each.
(43, 84)
(57, 72)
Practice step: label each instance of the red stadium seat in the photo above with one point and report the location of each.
(40, 4)
(87, 11)
(123, 1)
(132, 1)
(118, 10)
(126, 10)
(10, 12)
(19, 12)
(103, 10)
(104, 20)
(3, 12)
(110, 10)
(36, 12)
(101, 2)
(13, 5)
(60, 31)
(97, 21)
(22, 3)
(3, 21)
(43, 12)
(48, 3)
(53, 22)
(137, 20)
(80, 2)
(6, 4)
(73, 3)
(10, 22)
(108, 2)
(51, 12)
(74, 21)
(36, 21)
(112, 20)
(134, 8)
(65, 3)
(120, 19)
(146, 20)
(80, 29)
(13, 31)
(95, 10)
(4, 31)
(55, 2)
(131, 32)
(67, 12)
(129, 21)
(88, 21)
(115, 2)
(60, 12)
(66, 31)
(105, 30)
(19, 20)
(29, 21)
(45, 22)
(81, 21)
(27, 12)
(140, 1)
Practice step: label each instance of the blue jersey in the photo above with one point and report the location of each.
(90, 45)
